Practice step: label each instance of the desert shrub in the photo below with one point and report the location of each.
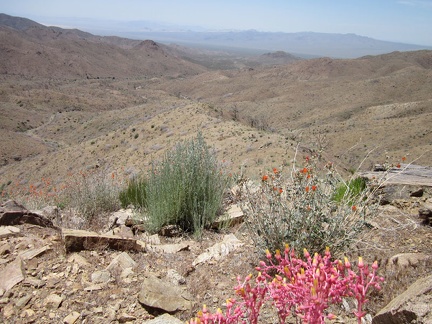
(92, 192)
(134, 194)
(350, 191)
(186, 188)
(300, 209)
(88, 193)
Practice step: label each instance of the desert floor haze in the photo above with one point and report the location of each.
(73, 103)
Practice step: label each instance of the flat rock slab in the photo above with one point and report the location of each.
(6, 231)
(405, 260)
(30, 254)
(407, 174)
(169, 248)
(78, 240)
(12, 213)
(412, 305)
(232, 217)
(219, 250)
(157, 293)
(11, 275)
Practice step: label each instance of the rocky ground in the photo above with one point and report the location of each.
(58, 275)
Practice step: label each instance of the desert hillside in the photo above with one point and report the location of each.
(66, 92)
(76, 106)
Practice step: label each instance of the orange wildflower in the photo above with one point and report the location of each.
(354, 208)
(403, 158)
(280, 190)
(304, 170)
(314, 188)
(275, 171)
(265, 177)
(398, 166)
(307, 189)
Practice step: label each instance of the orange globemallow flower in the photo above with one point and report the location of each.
(280, 190)
(264, 177)
(314, 188)
(354, 208)
(403, 158)
(307, 189)
(275, 171)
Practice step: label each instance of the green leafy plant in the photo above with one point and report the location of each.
(186, 188)
(134, 194)
(350, 191)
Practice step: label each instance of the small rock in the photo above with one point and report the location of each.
(128, 272)
(157, 293)
(102, 277)
(8, 311)
(176, 278)
(123, 231)
(78, 259)
(27, 313)
(425, 214)
(34, 282)
(153, 239)
(120, 217)
(93, 287)
(122, 261)
(4, 300)
(164, 319)
(7, 231)
(417, 193)
(5, 248)
(98, 310)
(404, 260)
(71, 318)
(171, 231)
(124, 318)
(23, 301)
(53, 301)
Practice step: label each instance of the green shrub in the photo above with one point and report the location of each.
(186, 188)
(134, 194)
(300, 209)
(350, 191)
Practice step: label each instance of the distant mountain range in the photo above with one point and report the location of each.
(28, 48)
(305, 44)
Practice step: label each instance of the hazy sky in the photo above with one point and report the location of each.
(408, 21)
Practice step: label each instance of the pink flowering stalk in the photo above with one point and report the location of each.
(305, 288)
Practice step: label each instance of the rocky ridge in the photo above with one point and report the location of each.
(124, 275)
